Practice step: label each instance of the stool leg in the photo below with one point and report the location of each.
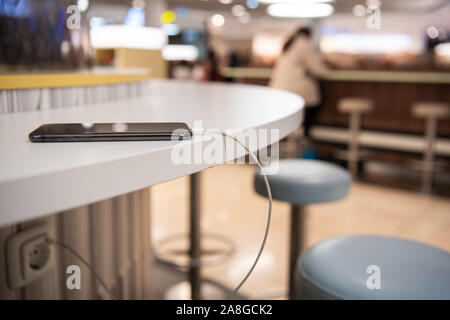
(296, 245)
(355, 120)
(194, 271)
(428, 157)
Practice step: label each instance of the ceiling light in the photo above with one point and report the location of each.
(132, 37)
(359, 10)
(313, 10)
(238, 10)
(225, 1)
(295, 1)
(82, 5)
(218, 20)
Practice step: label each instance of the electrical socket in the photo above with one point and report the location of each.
(28, 255)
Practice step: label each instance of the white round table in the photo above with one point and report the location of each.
(38, 179)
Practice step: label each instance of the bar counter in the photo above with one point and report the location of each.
(393, 93)
(348, 75)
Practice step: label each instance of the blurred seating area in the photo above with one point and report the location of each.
(358, 92)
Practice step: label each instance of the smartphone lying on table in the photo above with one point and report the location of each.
(91, 132)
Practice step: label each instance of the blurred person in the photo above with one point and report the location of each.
(296, 71)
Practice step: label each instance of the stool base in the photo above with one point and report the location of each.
(217, 251)
(209, 290)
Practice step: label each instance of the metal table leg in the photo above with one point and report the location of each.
(296, 246)
(195, 250)
(195, 287)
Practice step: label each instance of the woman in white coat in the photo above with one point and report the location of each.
(296, 71)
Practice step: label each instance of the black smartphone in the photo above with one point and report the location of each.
(86, 132)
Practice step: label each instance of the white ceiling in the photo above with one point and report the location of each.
(341, 6)
(393, 11)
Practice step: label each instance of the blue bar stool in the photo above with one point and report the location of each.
(373, 267)
(303, 182)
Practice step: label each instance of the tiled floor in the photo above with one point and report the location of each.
(230, 207)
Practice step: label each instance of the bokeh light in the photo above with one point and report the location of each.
(168, 16)
(218, 20)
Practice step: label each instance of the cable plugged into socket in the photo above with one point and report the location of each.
(28, 255)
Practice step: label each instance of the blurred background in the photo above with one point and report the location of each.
(352, 34)
(395, 53)
(394, 56)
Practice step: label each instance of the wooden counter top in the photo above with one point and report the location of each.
(96, 76)
(388, 76)
(350, 75)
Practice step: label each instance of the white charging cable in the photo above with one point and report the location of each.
(51, 241)
(269, 195)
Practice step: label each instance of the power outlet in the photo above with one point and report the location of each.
(28, 256)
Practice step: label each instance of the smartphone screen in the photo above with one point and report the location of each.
(73, 132)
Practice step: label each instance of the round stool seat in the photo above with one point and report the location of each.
(430, 110)
(338, 269)
(355, 105)
(303, 182)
